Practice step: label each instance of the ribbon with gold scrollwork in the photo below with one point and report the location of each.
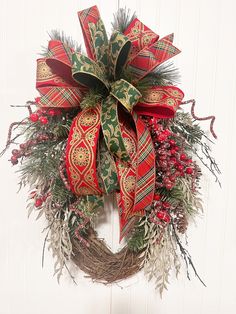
(110, 136)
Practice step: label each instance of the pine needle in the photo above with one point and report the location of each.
(122, 19)
(65, 39)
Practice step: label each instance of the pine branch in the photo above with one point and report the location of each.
(122, 19)
(163, 75)
(186, 256)
(65, 39)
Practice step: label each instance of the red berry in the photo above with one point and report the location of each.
(173, 160)
(52, 112)
(189, 161)
(44, 110)
(176, 148)
(162, 137)
(163, 215)
(58, 112)
(43, 120)
(172, 177)
(34, 117)
(166, 205)
(22, 146)
(189, 170)
(169, 186)
(38, 202)
(157, 197)
(180, 167)
(172, 151)
(167, 132)
(183, 157)
(15, 152)
(14, 160)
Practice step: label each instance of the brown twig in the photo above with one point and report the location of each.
(212, 118)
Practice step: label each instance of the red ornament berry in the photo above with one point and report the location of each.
(34, 117)
(169, 186)
(189, 170)
(176, 148)
(14, 160)
(162, 137)
(172, 151)
(189, 161)
(167, 132)
(173, 160)
(166, 205)
(172, 178)
(58, 112)
(38, 202)
(15, 152)
(43, 120)
(163, 215)
(183, 157)
(157, 197)
(52, 112)
(172, 142)
(180, 167)
(44, 110)
(22, 146)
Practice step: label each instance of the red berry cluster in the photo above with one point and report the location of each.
(38, 200)
(171, 160)
(160, 215)
(24, 148)
(42, 115)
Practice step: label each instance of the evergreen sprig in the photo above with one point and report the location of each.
(122, 19)
(65, 39)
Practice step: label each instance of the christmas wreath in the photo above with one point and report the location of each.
(111, 122)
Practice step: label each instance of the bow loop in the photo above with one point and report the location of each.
(125, 93)
(119, 48)
(87, 72)
(160, 102)
(100, 43)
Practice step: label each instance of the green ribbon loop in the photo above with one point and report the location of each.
(125, 93)
(119, 48)
(100, 42)
(87, 72)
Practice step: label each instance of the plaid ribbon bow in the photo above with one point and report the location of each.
(109, 148)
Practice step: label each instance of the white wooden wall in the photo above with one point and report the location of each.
(205, 32)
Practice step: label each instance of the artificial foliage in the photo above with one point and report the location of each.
(113, 122)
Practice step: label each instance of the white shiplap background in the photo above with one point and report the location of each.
(205, 32)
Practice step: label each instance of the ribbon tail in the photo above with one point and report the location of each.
(127, 178)
(111, 129)
(81, 153)
(137, 180)
(146, 172)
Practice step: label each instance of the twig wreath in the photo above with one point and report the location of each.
(111, 122)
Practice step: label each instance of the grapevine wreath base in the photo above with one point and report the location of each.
(110, 123)
(101, 264)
